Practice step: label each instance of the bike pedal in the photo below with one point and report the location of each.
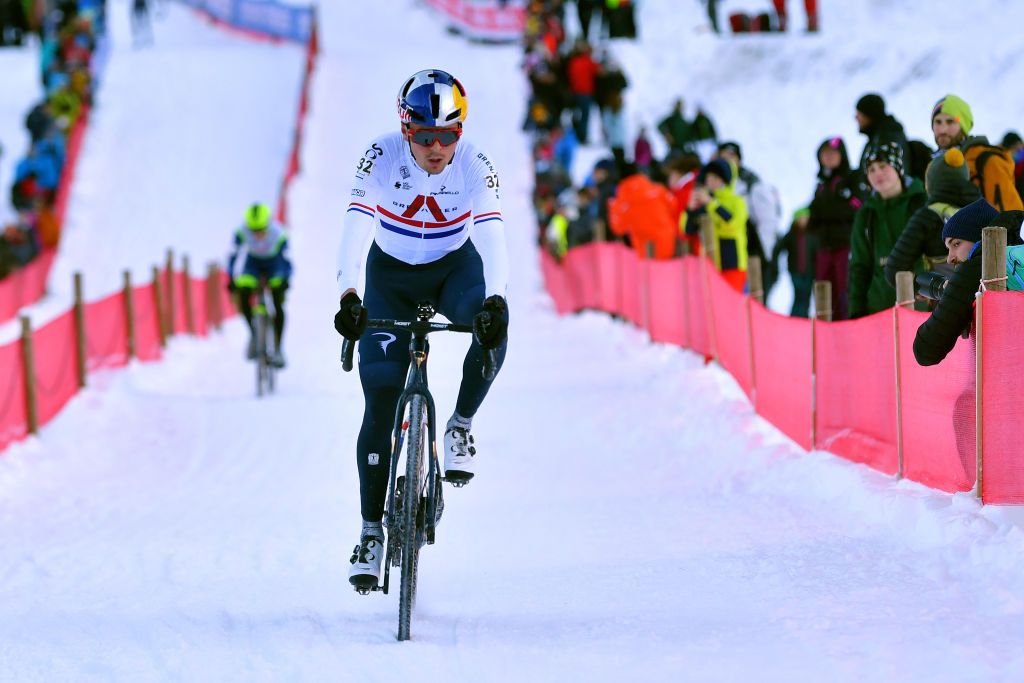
(364, 585)
(458, 479)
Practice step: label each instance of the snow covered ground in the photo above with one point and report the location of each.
(632, 518)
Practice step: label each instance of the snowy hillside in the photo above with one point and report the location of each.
(632, 519)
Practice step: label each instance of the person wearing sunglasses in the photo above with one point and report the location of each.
(431, 203)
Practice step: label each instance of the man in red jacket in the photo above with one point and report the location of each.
(582, 71)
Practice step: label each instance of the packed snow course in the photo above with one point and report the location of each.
(632, 518)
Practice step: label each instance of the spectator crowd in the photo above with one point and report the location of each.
(67, 36)
(860, 226)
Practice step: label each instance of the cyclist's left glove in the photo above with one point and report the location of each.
(490, 325)
(350, 320)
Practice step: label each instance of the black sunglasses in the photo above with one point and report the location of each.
(427, 136)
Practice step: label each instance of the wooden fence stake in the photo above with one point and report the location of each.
(79, 329)
(755, 280)
(905, 289)
(161, 318)
(28, 366)
(647, 288)
(190, 325)
(129, 312)
(823, 300)
(169, 310)
(993, 278)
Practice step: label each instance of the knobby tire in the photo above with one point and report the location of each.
(414, 456)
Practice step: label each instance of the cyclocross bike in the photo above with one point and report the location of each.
(415, 501)
(263, 324)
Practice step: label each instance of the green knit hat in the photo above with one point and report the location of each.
(948, 180)
(958, 109)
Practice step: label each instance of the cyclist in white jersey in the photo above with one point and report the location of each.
(431, 202)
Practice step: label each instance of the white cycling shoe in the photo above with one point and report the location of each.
(459, 456)
(366, 559)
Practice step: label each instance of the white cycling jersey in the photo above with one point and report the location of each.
(417, 217)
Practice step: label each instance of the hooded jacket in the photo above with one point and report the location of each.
(835, 202)
(728, 212)
(876, 227)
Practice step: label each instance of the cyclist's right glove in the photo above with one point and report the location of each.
(490, 325)
(232, 287)
(350, 320)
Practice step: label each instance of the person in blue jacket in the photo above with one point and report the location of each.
(266, 264)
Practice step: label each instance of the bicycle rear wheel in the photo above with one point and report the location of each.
(410, 540)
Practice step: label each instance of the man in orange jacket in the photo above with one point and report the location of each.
(645, 211)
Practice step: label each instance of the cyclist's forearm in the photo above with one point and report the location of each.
(352, 251)
(489, 239)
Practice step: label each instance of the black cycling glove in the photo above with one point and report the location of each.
(490, 325)
(350, 320)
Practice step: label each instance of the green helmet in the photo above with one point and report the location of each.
(257, 217)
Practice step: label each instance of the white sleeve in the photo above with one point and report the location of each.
(360, 218)
(489, 227)
(763, 208)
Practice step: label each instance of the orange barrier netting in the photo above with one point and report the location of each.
(667, 301)
(609, 274)
(55, 366)
(106, 333)
(855, 401)
(1002, 356)
(13, 413)
(866, 400)
(580, 269)
(731, 331)
(699, 324)
(26, 285)
(631, 274)
(147, 323)
(937, 412)
(782, 372)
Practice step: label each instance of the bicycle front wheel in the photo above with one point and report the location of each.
(262, 367)
(414, 481)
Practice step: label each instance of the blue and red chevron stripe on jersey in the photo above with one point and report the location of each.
(422, 225)
(360, 208)
(492, 216)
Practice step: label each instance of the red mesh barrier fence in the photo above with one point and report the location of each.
(56, 371)
(13, 416)
(25, 286)
(199, 307)
(937, 412)
(147, 323)
(631, 283)
(667, 302)
(1002, 355)
(180, 318)
(731, 330)
(782, 372)
(580, 269)
(609, 273)
(557, 284)
(106, 333)
(696, 291)
(855, 391)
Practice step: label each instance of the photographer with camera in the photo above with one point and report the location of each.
(955, 311)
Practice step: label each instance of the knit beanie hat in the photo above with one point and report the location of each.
(733, 147)
(872, 106)
(958, 109)
(968, 222)
(889, 152)
(948, 179)
(720, 167)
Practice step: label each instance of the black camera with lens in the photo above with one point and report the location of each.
(931, 285)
